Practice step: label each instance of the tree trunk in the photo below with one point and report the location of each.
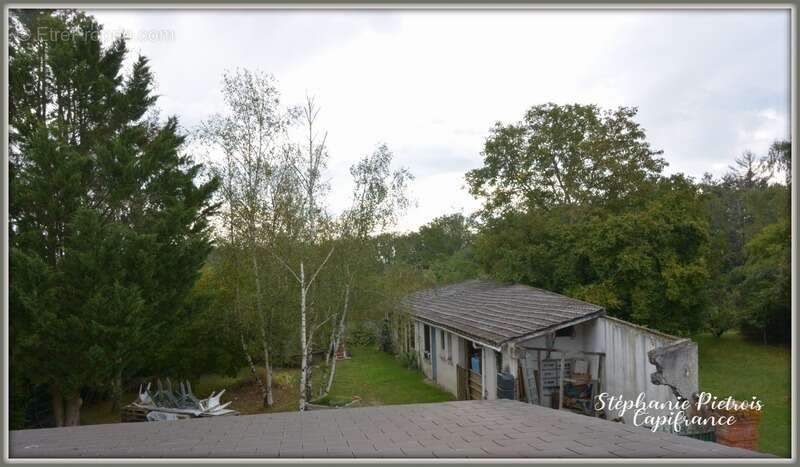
(58, 405)
(310, 371)
(303, 345)
(268, 369)
(330, 377)
(72, 409)
(254, 371)
(310, 363)
(337, 340)
(266, 389)
(116, 396)
(331, 348)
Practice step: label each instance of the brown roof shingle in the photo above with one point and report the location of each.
(495, 312)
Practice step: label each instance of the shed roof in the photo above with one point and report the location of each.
(495, 313)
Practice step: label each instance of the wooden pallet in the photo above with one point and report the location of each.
(131, 413)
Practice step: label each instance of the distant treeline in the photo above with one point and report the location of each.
(576, 203)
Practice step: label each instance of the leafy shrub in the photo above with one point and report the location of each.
(285, 379)
(362, 334)
(409, 360)
(722, 318)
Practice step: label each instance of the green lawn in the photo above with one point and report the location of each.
(379, 379)
(728, 366)
(734, 366)
(376, 377)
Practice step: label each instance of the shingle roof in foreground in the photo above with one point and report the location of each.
(483, 429)
(495, 312)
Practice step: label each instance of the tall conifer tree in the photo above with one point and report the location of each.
(108, 222)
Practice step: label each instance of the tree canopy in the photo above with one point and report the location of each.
(564, 155)
(109, 223)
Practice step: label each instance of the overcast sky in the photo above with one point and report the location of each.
(430, 84)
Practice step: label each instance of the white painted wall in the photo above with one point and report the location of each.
(627, 368)
(446, 373)
(626, 371)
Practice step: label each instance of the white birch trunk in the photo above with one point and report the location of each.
(267, 386)
(268, 400)
(303, 344)
(254, 371)
(338, 339)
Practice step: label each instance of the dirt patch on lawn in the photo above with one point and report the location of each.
(247, 399)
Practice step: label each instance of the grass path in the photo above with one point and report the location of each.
(379, 379)
(734, 366)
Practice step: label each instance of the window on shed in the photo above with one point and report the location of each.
(411, 333)
(449, 347)
(441, 337)
(426, 330)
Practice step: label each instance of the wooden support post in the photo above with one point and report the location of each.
(469, 389)
(600, 382)
(538, 378)
(561, 383)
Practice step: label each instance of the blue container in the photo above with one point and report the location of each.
(475, 364)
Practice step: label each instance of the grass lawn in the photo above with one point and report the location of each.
(376, 377)
(733, 366)
(379, 379)
(729, 365)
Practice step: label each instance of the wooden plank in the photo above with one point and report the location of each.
(530, 378)
(462, 383)
(459, 383)
(474, 377)
(130, 413)
(475, 386)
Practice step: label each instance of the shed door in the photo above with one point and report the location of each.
(474, 359)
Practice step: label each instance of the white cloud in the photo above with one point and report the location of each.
(430, 84)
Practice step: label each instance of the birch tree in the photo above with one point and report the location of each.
(246, 144)
(379, 198)
(307, 160)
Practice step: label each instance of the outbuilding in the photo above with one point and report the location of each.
(481, 339)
